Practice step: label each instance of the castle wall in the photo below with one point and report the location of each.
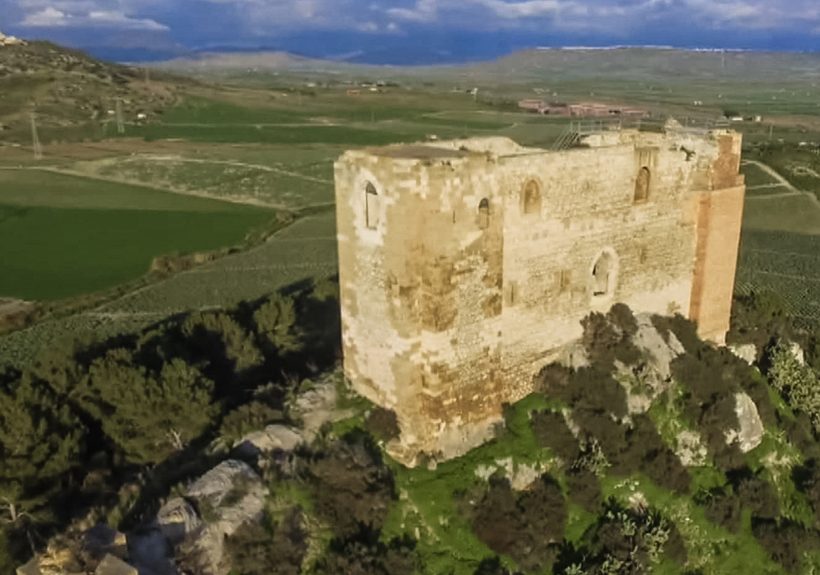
(588, 209)
(458, 284)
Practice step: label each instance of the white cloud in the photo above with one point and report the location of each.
(423, 11)
(51, 17)
(629, 18)
(46, 18)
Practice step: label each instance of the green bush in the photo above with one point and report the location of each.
(352, 488)
(785, 541)
(268, 548)
(527, 526)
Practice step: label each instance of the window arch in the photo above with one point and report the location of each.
(531, 198)
(484, 214)
(604, 274)
(372, 206)
(642, 185)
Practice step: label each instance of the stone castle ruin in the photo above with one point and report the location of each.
(467, 266)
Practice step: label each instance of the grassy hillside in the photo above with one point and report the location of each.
(74, 95)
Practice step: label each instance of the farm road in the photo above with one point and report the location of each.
(783, 182)
(260, 167)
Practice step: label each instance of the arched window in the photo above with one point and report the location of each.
(371, 206)
(642, 185)
(531, 200)
(484, 214)
(604, 275)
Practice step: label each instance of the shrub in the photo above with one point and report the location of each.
(584, 488)
(493, 566)
(352, 488)
(550, 429)
(383, 424)
(371, 557)
(628, 542)
(608, 337)
(755, 492)
(785, 541)
(592, 389)
(721, 507)
(269, 549)
(526, 526)
(798, 384)
(248, 418)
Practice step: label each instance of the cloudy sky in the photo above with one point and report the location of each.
(454, 29)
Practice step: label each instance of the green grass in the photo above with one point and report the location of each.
(62, 236)
(756, 176)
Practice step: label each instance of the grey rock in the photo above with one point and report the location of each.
(272, 438)
(30, 568)
(111, 565)
(228, 496)
(746, 352)
(176, 520)
(750, 434)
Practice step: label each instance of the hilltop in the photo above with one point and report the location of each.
(646, 451)
(68, 89)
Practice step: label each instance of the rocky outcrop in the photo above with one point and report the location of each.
(10, 41)
(227, 497)
(195, 525)
(750, 434)
(746, 352)
(271, 439)
(690, 449)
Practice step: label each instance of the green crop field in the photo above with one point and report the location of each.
(62, 236)
(304, 251)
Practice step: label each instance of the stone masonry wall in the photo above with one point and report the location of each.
(459, 282)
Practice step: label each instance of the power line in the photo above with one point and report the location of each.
(36, 146)
(120, 121)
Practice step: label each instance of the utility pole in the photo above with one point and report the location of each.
(120, 121)
(35, 139)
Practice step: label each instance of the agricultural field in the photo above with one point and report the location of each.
(302, 252)
(154, 190)
(780, 243)
(63, 236)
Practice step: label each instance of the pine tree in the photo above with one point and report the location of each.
(41, 440)
(276, 324)
(148, 415)
(218, 334)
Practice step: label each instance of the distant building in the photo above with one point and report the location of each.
(582, 110)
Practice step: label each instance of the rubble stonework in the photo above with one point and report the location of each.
(466, 266)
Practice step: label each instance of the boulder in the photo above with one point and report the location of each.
(111, 565)
(659, 351)
(690, 449)
(176, 520)
(271, 439)
(30, 568)
(750, 434)
(746, 352)
(797, 353)
(228, 496)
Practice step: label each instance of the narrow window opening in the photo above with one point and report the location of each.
(532, 198)
(371, 206)
(484, 214)
(642, 185)
(603, 276)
